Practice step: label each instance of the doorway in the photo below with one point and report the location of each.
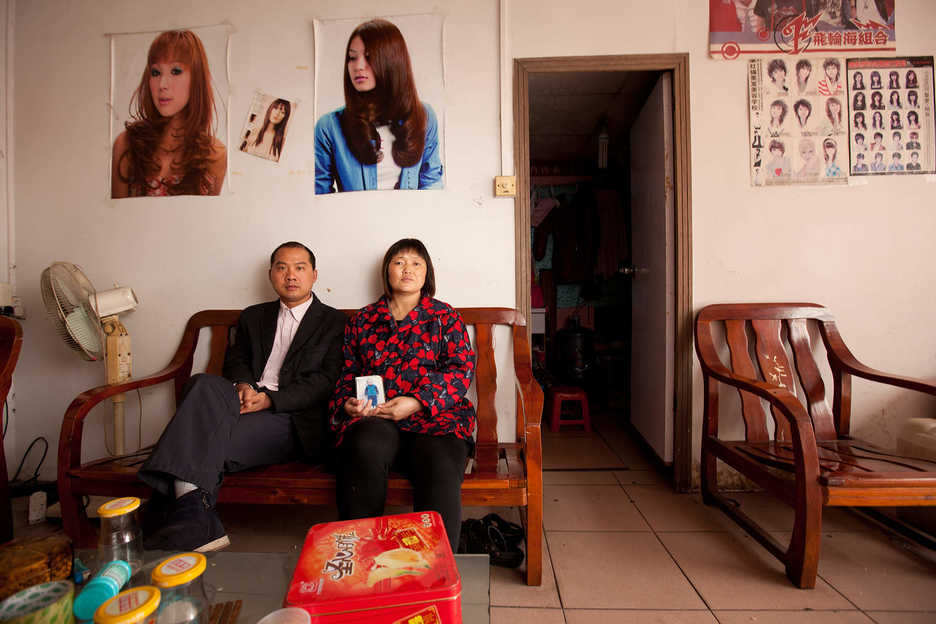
(592, 176)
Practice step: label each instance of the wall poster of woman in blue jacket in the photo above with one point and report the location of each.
(384, 137)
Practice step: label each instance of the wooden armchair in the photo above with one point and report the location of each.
(11, 340)
(811, 460)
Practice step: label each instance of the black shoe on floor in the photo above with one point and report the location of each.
(191, 524)
(156, 512)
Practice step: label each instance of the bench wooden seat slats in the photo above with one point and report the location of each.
(810, 460)
(502, 473)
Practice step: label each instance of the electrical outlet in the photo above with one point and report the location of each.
(505, 186)
(18, 310)
(37, 507)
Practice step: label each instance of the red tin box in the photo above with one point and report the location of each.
(387, 570)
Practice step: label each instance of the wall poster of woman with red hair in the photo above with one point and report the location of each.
(379, 91)
(168, 112)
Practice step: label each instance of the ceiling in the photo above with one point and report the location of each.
(567, 110)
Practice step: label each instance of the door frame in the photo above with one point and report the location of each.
(678, 64)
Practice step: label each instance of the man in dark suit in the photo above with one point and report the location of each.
(269, 407)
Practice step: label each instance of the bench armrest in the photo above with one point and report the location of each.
(69, 452)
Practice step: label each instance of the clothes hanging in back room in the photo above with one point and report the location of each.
(541, 210)
(613, 248)
(575, 229)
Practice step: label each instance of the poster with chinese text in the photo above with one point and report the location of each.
(793, 27)
(891, 127)
(798, 117)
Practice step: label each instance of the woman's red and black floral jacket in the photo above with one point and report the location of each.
(427, 355)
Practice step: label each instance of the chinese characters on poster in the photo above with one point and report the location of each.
(794, 27)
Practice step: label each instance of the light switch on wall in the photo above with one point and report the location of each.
(505, 186)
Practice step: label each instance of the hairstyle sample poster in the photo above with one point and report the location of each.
(798, 117)
(187, 82)
(264, 132)
(891, 121)
(813, 27)
(379, 119)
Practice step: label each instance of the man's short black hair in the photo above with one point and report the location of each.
(293, 245)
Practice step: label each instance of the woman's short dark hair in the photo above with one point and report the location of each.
(775, 144)
(776, 65)
(408, 244)
(802, 104)
(783, 108)
(293, 245)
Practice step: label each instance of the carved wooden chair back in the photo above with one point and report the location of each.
(778, 336)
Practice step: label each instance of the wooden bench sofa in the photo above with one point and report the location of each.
(810, 461)
(502, 474)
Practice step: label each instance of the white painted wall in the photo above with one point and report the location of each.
(863, 251)
(186, 254)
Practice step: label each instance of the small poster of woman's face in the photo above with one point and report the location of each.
(264, 132)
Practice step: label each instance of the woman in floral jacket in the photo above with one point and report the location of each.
(420, 347)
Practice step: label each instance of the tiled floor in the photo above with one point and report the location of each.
(622, 547)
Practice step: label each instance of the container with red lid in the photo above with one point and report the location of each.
(387, 570)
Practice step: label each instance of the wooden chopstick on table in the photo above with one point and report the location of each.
(225, 612)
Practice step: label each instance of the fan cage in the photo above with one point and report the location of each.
(65, 293)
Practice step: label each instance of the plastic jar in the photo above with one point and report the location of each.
(120, 537)
(181, 583)
(104, 586)
(133, 606)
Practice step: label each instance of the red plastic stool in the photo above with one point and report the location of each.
(562, 394)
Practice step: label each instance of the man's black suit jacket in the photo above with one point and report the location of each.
(309, 372)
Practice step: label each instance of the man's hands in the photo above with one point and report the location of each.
(397, 408)
(251, 400)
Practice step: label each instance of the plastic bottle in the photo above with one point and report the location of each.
(120, 537)
(105, 585)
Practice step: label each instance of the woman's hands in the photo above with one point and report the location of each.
(358, 408)
(397, 408)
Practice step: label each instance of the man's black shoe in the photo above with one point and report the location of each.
(191, 525)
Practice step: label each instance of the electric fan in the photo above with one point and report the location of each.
(88, 322)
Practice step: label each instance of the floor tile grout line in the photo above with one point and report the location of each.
(608, 444)
(839, 592)
(668, 552)
(552, 566)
